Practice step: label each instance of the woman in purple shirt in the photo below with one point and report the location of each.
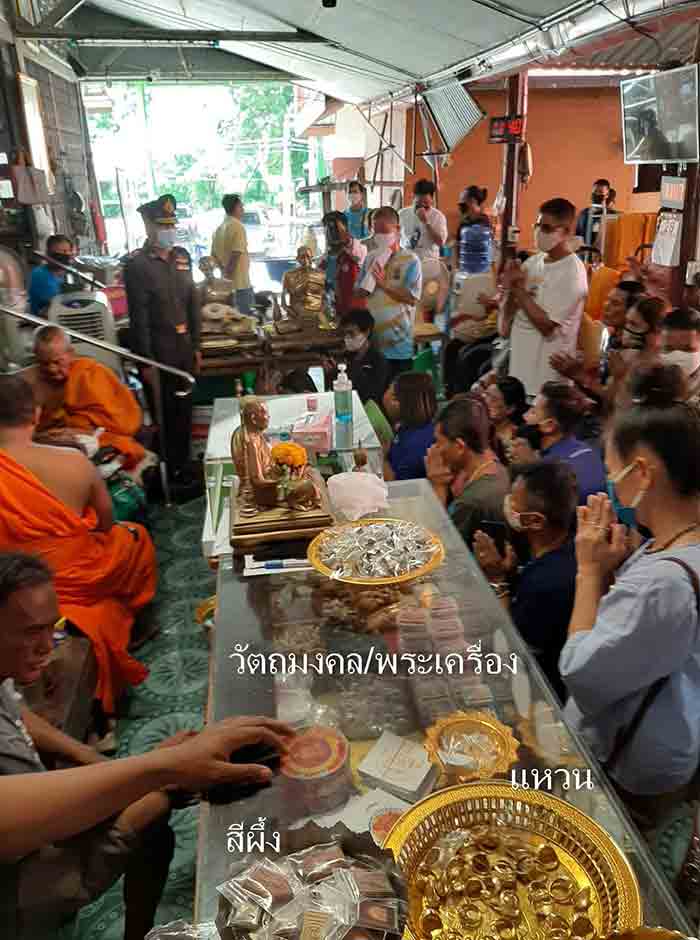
(410, 403)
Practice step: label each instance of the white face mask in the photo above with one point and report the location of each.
(688, 361)
(354, 199)
(166, 238)
(353, 343)
(385, 242)
(548, 240)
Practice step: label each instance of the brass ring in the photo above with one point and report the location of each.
(562, 889)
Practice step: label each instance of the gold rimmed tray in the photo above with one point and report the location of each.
(314, 554)
(489, 747)
(585, 852)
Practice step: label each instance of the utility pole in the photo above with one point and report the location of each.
(287, 181)
(150, 172)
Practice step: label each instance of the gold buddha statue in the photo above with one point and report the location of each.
(251, 453)
(303, 290)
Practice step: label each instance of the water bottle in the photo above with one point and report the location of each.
(342, 396)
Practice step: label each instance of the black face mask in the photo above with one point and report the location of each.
(597, 199)
(61, 257)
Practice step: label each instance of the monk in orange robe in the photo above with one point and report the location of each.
(79, 394)
(55, 505)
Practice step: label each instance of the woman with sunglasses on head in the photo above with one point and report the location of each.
(631, 663)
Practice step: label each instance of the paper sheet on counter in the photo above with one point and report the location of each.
(357, 812)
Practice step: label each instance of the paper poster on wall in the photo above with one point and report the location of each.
(6, 190)
(3, 159)
(34, 123)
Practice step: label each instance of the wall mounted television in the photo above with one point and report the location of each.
(660, 117)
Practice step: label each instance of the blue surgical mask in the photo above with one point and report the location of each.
(626, 514)
(166, 238)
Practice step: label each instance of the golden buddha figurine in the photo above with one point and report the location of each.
(251, 453)
(303, 290)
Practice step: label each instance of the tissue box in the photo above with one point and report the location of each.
(314, 431)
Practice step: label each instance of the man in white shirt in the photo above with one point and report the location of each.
(545, 300)
(391, 281)
(423, 227)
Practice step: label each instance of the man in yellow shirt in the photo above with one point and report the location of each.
(230, 248)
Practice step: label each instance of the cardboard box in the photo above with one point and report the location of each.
(314, 431)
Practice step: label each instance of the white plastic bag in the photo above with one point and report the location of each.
(357, 494)
(181, 930)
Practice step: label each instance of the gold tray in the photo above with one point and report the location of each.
(314, 551)
(500, 737)
(585, 850)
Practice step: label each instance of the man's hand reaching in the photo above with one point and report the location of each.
(203, 761)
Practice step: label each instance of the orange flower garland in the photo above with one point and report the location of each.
(290, 455)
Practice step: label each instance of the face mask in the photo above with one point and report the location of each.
(515, 519)
(353, 343)
(634, 339)
(385, 242)
(597, 199)
(354, 198)
(688, 361)
(546, 241)
(625, 514)
(166, 238)
(61, 257)
(618, 478)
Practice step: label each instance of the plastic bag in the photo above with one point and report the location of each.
(357, 494)
(181, 930)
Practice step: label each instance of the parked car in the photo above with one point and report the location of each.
(258, 230)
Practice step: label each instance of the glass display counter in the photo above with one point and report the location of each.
(284, 411)
(297, 611)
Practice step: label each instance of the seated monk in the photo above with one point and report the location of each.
(56, 506)
(76, 393)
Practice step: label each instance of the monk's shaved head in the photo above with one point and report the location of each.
(54, 353)
(48, 335)
(16, 402)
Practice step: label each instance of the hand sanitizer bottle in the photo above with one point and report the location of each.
(342, 395)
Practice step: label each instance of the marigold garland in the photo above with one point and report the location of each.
(290, 455)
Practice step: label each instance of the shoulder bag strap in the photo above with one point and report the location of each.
(625, 735)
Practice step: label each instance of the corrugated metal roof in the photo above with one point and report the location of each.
(382, 45)
(669, 38)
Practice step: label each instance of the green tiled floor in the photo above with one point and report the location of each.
(173, 697)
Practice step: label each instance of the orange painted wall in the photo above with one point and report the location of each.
(575, 136)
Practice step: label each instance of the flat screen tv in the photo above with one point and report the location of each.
(660, 117)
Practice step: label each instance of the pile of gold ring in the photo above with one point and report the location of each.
(500, 887)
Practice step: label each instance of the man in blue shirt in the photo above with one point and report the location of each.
(540, 595)
(46, 280)
(556, 412)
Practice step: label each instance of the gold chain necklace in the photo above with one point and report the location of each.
(667, 544)
(479, 472)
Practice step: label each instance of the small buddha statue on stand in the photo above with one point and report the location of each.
(303, 290)
(260, 474)
(252, 458)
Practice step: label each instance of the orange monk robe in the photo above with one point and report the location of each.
(95, 398)
(101, 578)
(603, 280)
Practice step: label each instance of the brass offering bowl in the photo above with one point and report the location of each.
(484, 861)
(471, 745)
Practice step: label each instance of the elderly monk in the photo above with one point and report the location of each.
(79, 394)
(55, 505)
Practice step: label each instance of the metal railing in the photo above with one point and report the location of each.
(123, 353)
(88, 278)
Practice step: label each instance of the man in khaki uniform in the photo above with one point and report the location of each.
(230, 248)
